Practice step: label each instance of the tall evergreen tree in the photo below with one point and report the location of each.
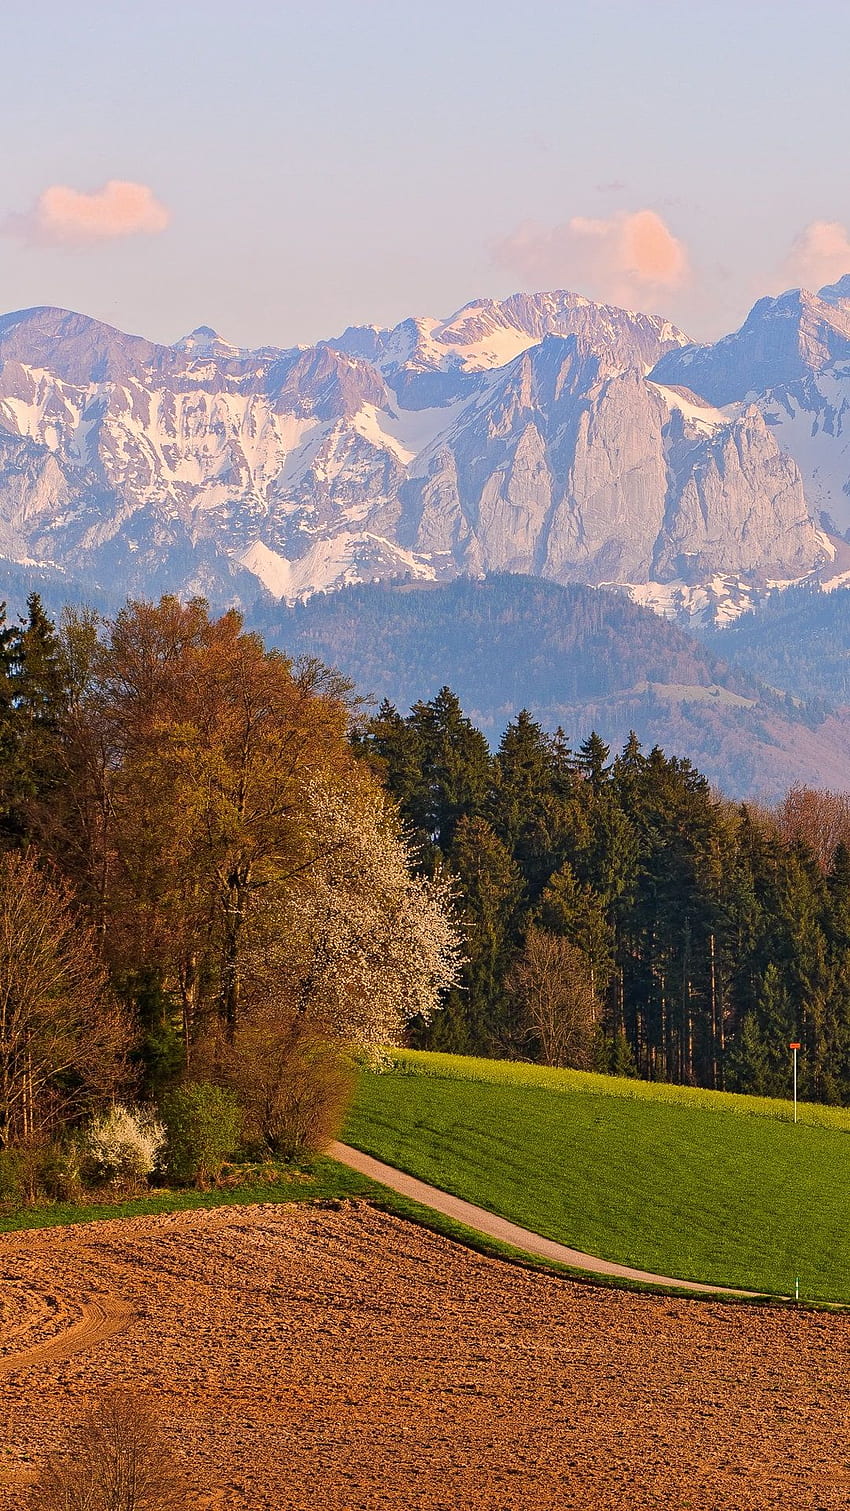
(534, 806)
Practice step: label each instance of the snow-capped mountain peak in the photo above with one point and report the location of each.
(543, 433)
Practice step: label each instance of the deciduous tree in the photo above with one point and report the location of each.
(551, 979)
(62, 1036)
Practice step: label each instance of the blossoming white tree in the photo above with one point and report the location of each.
(357, 944)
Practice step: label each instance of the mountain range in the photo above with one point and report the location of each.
(544, 435)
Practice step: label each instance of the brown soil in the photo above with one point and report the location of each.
(345, 1360)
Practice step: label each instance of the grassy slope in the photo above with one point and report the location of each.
(704, 1186)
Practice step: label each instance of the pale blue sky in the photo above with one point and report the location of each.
(338, 162)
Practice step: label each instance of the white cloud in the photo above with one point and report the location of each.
(819, 255)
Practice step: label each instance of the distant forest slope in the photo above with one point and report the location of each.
(577, 657)
(505, 638)
(797, 640)
(56, 589)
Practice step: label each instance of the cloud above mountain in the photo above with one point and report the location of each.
(62, 216)
(819, 255)
(621, 259)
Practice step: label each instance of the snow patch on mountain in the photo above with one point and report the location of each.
(330, 563)
(812, 421)
(518, 435)
(704, 416)
(718, 601)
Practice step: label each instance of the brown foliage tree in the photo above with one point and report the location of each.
(213, 802)
(190, 753)
(293, 1083)
(116, 1460)
(817, 817)
(552, 982)
(62, 1036)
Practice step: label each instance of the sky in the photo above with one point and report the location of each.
(281, 170)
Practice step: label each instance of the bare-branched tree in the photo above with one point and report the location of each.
(552, 982)
(117, 1459)
(62, 1035)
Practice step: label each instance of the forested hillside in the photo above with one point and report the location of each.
(797, 640)
(579, 657)
(509, 636)
(617, 914)
(218, 875)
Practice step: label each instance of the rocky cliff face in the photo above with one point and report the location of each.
(524, 436)
(791, 358)
(571, 470)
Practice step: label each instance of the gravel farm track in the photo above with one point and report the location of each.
(342, 1358)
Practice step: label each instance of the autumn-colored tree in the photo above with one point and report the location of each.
(817, 817)
(192, 752)
(62, 1036)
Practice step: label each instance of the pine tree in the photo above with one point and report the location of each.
(534, 805)
(579, 914)
(35, 682)
(591, 761)
(454, 776)
(491, 890)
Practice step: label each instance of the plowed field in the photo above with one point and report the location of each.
(345, 1360)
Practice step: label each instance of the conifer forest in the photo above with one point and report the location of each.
(693, 938)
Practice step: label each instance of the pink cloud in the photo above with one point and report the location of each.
(622, 259)
(64, 216)
(819, 255)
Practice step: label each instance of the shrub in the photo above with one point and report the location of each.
(294, 1085)
(13, 1178)
(34, 1172)
(123, 1146)
(203, 1123)
(59, 1172)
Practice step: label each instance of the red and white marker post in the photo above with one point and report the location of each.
(795, 1046)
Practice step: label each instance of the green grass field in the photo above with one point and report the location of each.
(701, 1185)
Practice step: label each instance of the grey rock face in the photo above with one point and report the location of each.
(782, 341)
(579, 475)
(791, 357)
(522, 436)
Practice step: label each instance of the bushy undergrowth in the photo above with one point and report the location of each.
(294, 1089)
(49, 1173)
(203, 1124)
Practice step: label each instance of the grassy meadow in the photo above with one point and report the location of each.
(702, 1185)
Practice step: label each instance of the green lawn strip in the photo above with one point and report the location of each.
(327, 1180)
(669, 1187)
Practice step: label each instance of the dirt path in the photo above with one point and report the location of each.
(509, 1232)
